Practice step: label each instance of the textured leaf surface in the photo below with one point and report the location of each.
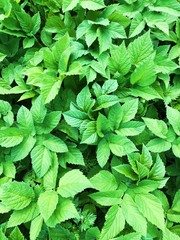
(72, 183)
(16, 195)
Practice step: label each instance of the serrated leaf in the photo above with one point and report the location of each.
(158, 170)
(47, 203)
(131, 128)
(109, 86)
(151, 208)
(103, 152)
(173, 116)
(119, 60)
(158, 127)
(104, 181)
(23, 149)
(54, 144)
(168, 235)
(16, 234)
(65, 210)
(72, 183)
(25, 120)
(50, 88)
(73, 156)
(129, 110)
(176, 202)
(158, 145)
(121, 146)
(74, 117)
(107, 198)
(144, 74)
(16, 195)
(22, 216)
(114, 223)
(89, 135)
(146, 158)
(10, 137)
(129, 208)
(105, 101)
(126, 170)
(35, 228)
(38, 110)
(41, 160)
(132, 236)
(92, 4)
(49, 179)
(69, 5)
(137, 25)
(140, 49)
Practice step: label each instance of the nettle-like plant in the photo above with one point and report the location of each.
(89, 119)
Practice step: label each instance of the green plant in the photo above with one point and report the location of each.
(89, 119)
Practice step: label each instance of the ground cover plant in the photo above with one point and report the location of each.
(89, 119)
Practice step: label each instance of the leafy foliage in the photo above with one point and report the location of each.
(89, 119)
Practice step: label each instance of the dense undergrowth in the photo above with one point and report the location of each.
(89, 119)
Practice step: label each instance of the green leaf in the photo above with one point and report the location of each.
(89, 135)
(145, 186)
(129, 209)
(23, 149)
(121, 146)
(106, 101)
(151, 208)
(35, 228)
(50, 122)
(173, 115)
(104, 181)
(69, 5)
(129, 110)
(137, 25)
(115, 116)
(47, 203)
(114, 223)
(146, 158)
(92, 4)
(22, 216)
(103, 152)
(38, 110)
(158, 145)
(16, 234)
(72, 183)
(9, 169)
(132, 128)
(25, 121)
(144, 74)
(16, 195)
(158, 170)
(65, 210)
(54, 144)
(84, 100)
(119, 60)
(50, 88)
(132, 236)
(2, 235)
(74, 117)
(41, 160)
(107, 198)
(176, 202)
(140, 49)
(10, 137)
(168, 235)
(49, 179)
(73, 156)
(109, 86)
(126, 170)
(158, 127)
